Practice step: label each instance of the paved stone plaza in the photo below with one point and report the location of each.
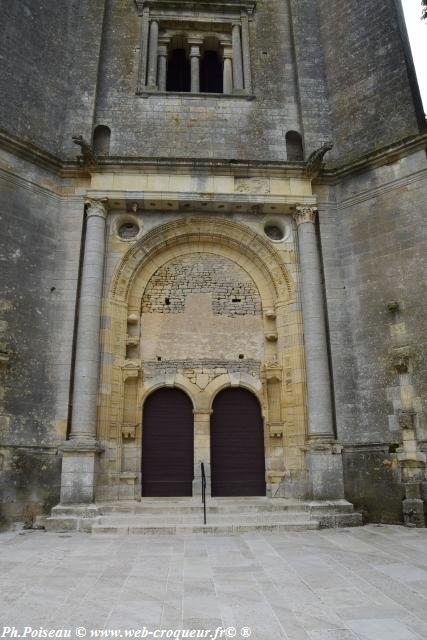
(368, 583)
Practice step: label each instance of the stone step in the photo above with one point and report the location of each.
(213, 529)
(196, 518)
(185, 515)
(213, 506)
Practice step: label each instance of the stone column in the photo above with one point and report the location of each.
(195, 68)
(152, 55)
(143, 49)
(237, 59)
(162, 66)
(79, 452)
(202, 450)
(228, 71)
(247, 77)
(324, 456)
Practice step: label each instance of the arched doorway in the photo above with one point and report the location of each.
(237, 445)
(167, 444)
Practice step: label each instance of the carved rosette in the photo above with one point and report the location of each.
(96, 208)
(305, 214)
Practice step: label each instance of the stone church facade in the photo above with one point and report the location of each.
(212, 251)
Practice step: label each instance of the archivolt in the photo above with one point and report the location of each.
(213, 231)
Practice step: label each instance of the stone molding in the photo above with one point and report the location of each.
(76, 446)
(202, 5)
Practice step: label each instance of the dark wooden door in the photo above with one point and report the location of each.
(167, 444)
(237, 445)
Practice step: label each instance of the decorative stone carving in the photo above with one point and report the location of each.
(96, 207)
(407, 419)
(271, 336)
(87, 156)
(271, 375)
(401, 362)
(133, 318)
(315, 162)
(131, 369)
(128, 431)
(4, 358)
(270, 314)
(393, 306)
(272, 370)
(276, 430)
(132, 341)
(252, 185)
(303, 215)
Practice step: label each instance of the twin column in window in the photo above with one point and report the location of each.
(155, 54)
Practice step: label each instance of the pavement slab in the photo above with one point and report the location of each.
(367, 583)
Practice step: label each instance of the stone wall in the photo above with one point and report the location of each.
(369, 74)
(373, 242)
(232, 291)
(39, 257)
(49, 56)
(201, 306)
(191, 126)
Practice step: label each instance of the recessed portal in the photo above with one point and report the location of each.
(167, 444)
(237, 445)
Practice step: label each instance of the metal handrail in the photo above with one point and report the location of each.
(203, 491)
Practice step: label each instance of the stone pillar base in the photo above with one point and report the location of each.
(413, 506)
(76, 517)
(79, 461)
(413, 513)
(325, 471)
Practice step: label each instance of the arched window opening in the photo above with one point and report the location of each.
(211, 75)
(294, 149)
(179, 71)
(101, 140)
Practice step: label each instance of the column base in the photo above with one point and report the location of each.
(79, 461)
(76, 517)
(325, 470)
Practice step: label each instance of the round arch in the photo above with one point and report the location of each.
(226, 381)
(176, 382)
(237, 239)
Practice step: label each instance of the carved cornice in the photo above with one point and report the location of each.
(70, 168)
(214, 5)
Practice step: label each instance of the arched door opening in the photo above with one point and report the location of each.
(167, 444)
(237, 445)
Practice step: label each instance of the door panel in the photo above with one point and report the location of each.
(237, 445)
(167, 444)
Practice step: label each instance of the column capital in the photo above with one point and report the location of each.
(303, 214)
(195, 51)
(227, 52)
(96, 207)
